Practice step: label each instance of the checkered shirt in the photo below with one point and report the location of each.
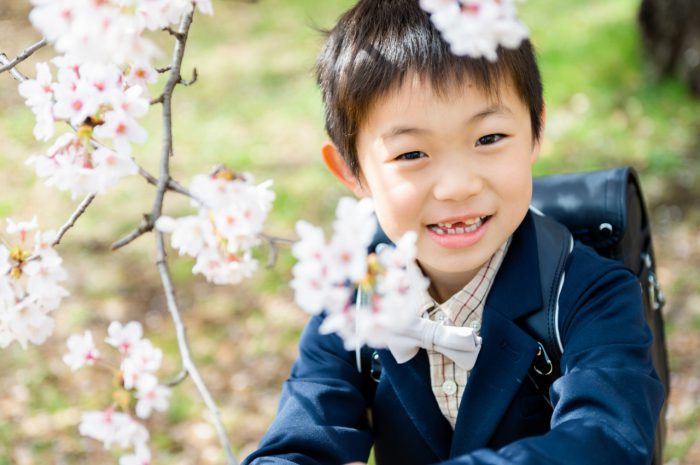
(464, 308)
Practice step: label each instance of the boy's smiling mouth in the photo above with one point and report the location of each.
(459, 227)
(458, 233)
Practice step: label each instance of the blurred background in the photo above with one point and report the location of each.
(255, 107)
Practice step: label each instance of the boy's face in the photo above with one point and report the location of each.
(455, 168)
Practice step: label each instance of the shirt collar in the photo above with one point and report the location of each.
(474, 293)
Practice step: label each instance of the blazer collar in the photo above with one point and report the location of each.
(516, 291)
(505, 358)
(507, 352)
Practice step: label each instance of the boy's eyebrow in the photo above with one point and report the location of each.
(483, 114)
(490, 111)
(402, 130)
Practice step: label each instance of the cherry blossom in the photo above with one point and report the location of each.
(30, 273)
(111, 427)
(72, 164)
(477, 27)
(141, 75)
(329, 273)
(139, 392)
(81, 351)
(110, 31)
(143, 358)
(231, 212)
(140, 457)
(124, 337)
(98, 102)
(151, 396)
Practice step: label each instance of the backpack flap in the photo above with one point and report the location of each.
(603, 209)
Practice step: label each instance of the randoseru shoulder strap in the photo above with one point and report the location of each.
(554, 245)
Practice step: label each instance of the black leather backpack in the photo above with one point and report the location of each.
(605, 210)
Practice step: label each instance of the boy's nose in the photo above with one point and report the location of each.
(457, 182)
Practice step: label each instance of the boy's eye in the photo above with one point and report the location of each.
(490, 139)
(411, 156)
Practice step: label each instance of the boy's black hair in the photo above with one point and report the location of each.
(377, 43)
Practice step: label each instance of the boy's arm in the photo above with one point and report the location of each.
(322, 413)
(609, 397)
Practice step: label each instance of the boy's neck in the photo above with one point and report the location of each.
(448, 285)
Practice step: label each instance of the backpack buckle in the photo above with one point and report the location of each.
(656, 295)
(543, 365)
(375, 371)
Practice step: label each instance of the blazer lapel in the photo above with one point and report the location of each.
(411, 382)
(507, 351)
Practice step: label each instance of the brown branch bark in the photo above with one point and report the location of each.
(82, 208)
(163, 181)
(26, 53)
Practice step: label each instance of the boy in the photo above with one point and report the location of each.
(444, 146)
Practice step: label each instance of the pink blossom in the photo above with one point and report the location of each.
(204, 6)
(151, 396)
(21, 228)
(142, 359)
(190, 234)
(81, 351)
(124, 337)
(75, 101)
(122, 129)
(110, 427)
(31, 291)
(328, 273)
(141, 456)
(231, 213)
(477, 27)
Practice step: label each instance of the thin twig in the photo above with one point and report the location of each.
(4, 60)
(163, 183)
(74, 217)
(26, 53)
(163, 70)
(146, 226)
(180, 377)
(157, 100)
(191, 81)
(172, 184)
(177, 34)
(187, 363)
(273, 243)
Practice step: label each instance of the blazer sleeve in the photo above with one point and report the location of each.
(608, 399)
(322, 415)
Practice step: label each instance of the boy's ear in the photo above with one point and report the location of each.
(336, 165)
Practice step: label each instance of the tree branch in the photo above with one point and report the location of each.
(163, 182)
(4, 60)
(191, 81)
(74, 217)
(26, 53)
(273, 243)
(172, 184)
(157, 100)
(180, 377)
(181, 37)
(188, 364)
(146, 225)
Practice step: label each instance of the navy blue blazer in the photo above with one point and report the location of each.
(606, 403)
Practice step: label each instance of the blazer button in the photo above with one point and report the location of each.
(449, 387)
